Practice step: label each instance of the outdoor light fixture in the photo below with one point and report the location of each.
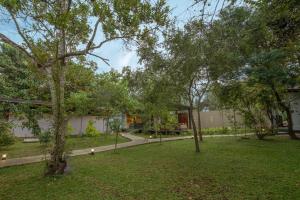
(3, 156)
(150, 136)
(92, 151)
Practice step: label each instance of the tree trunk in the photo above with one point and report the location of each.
(199, 122)
(234, 122)
(107, 125)
(286, 109)
(6, 112)
(194, 127)
(56, 76)
(57, 161)
(290, 125)
(116, 141)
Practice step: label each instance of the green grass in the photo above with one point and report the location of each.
(225, 131)
(21, 149)
(147, 135)
(227, 168)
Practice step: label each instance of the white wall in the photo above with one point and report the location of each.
(214, 119)
(296, 111)
(19, 131)
(45, 124)
(75, 122)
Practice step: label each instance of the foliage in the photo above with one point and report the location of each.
(111, 95)
(45, 137)
(79, 103)
(115, 125)
(257, 49)
(6, 137)
(91, 130)
(54, 35)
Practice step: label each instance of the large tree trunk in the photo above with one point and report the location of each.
(56, 76)
(194, 127)
(57, 161)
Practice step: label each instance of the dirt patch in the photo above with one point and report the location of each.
(200, 188)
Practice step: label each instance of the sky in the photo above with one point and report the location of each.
(118, 55)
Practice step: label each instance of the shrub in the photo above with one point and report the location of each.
(45, 137)
(91, 130)
(6, 137)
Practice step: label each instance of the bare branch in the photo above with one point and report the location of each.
(89, 44)
(20, 31)
(6, 40)
(103, 59)
(110, 39)
(87, 51)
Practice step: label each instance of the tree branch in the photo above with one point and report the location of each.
(89, 44)
(103, 59)
(20, 32)
(87, 51)
(8, 41)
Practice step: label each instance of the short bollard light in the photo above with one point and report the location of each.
(92, 151)
(150, 136)
(3, 157)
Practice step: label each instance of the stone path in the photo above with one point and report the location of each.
(135, 140)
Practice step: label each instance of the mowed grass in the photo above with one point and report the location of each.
(147, 135)
(21, 149)
(227, 168)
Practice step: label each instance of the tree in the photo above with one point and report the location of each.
(19, 81)
(55, 32)
(188, 67)
(257, 50)
(6, 137)
(155, 94)
(115, 125)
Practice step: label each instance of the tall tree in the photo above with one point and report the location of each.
(55, 32)
(253, 41)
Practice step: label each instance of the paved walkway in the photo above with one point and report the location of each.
(135, 140)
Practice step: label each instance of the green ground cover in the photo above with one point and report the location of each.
(226, 168)
(21, 149)
(152, 136)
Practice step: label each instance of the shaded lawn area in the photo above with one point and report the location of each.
(20, 149)
(227, 168)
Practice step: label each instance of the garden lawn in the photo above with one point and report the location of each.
(227, 168)
(147, 135)
(21, 149)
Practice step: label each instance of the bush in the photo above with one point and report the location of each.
(6, 137)
(45, 137)
(91, 130)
